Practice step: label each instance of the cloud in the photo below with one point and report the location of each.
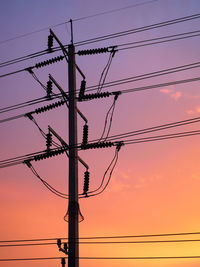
(194, 111)
(176, 95)
(172, 93)
(190, 112)
(166, 91)
(121, 181)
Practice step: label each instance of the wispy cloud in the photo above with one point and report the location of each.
(176, 95)
(190, 112)
(166, 91)
(196, 110)
(172, 93)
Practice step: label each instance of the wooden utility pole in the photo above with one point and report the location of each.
(73, 209)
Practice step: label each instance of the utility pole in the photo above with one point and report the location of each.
(73, 208)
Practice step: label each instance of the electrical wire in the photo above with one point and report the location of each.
(105, 71)
(114, 10)
(90, 193)
(137, 30)
(33, 32)
(137, 44)
(29, 157)
(21, 159)
(25, 104)
(43, 52)
(106, 242)
(106, 119)
(123, 81)
(105, 258)
(104, 237)
(102, 187)
(28, 244)
(43, 99)
(77, 19)
(45, 183)
(147, 75)
(95, 193)
(152, 129)
(157, 42)
(37, 80)
(27, 57)
(161, 137)
(110, 111)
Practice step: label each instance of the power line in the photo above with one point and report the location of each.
(28, 244)
(78, 19)
(137, 30)
(106, 242)
(153, 129)
(33, 32)
(161, 137)
(147, 75)
(25, 104)
(103, 237)
(156, 42)
(114, 10)
(29, 56)
(105, 258)
(43, 99)
(46, 184)
(21, 159)
(137, 44)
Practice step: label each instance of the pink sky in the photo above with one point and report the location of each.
(155, 186)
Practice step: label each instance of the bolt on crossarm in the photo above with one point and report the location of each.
(73, 208)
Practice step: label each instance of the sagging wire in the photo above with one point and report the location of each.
(106, 69)
(48, 89)
(29, 115)
(45, 183)
(111, 112)
(113, 164)
(36, 78)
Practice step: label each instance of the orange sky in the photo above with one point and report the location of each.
(155, 186)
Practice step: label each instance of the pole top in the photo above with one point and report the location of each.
(72, 38)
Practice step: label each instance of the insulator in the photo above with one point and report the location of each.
(48, 141)
(82, 90)
(48, 107)
(113, 50)
(50, 43)
(29, 115)
(48, 62)
(119, 145)
(49, 89)
(59, 243)
(63, 262)
(86, 182)
(49, 154)
(92, 51)
(94, 96)
(97, 145)
(65, 247)
(116, 94)
(85, 134)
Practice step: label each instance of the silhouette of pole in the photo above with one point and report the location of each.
(73, 208)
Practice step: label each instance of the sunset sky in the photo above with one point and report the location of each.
(155, 186)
